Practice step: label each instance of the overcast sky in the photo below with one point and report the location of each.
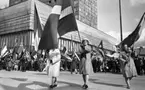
(4, 3)
(108, 17)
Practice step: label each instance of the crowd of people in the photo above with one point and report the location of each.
(35, 61)
(75, 62)
(22, 61)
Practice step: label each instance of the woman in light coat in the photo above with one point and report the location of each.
(85, 62)
(54, 58)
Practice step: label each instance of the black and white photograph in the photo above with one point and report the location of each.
(72, 44)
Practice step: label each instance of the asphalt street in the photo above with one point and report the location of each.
(16, 80)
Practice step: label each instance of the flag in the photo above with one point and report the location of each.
(101, 44)
(49, 38)
(101, 50)
(114, 55)
(36, 40)
(67, 21)
(135, 35)
(37, 30)
(20, 48)
(4, 50)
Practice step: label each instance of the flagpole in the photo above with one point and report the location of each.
(79, 35)
(72, 46)
(71, 43)
(121, 35)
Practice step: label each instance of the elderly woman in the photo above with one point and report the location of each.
(128, 66)
(85, 61)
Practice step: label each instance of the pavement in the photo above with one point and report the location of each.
(30, 80)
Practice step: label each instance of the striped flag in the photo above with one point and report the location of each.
(4, 50)
(67, 21)
(135, 35)
(37, 30)
(49, 38)
(36, 40)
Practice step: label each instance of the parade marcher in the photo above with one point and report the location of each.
(9, 61)
(23, 60)
(54, 65)
(94, 62)
(85, 61)
(128, 66)
(64, 58)
(74, 63)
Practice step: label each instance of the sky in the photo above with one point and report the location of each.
(4, 3)
(108, 17)
(109, 22)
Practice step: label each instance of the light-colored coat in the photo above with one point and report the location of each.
(54, 67)
(85, 61)
(128, 66)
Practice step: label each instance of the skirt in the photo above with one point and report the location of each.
(53, 70)
(129, 69)
(85, 66)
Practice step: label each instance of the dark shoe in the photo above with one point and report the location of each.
(51, 86)
(128, 87)
(54, 85)
(85, 86)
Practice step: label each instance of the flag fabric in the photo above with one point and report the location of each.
(15, 49)
(67, 21)
(101, 50)
(114, 55)
(4, 50)
(20, 48)
(36, 40)
(49, 39)
(101, 44)
(37, 30)
(135, 35)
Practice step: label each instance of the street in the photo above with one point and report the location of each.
(16, 80)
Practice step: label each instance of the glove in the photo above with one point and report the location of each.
(51, 62)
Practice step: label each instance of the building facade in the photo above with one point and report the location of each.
(18, 22)
(85, 10)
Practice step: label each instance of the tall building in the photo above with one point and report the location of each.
(85, 10)
(18, 23)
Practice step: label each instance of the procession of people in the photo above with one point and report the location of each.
(84, 62)
(51, 59)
